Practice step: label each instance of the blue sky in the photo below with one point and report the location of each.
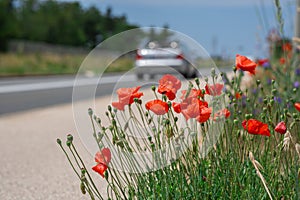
(233, 26)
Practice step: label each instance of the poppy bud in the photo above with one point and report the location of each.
(273, 82)
(109, 108)
(100, 136)
(247, 116)
(234, 68)
(295, 115)
(70, 137)
(68, 143)
(167, 121)
(98, 120)
(213, 72)
(83, 171)
(58, 141)
(82, 188)
(164, 97)
(106, 175)
(152, 146)
(206, 79)
(175, 119)
(197, 81)
(153, 88)
(265, 101)
(90, 112)
(257, 82)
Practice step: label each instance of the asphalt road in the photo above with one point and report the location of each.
(24, 93)
(19, 94)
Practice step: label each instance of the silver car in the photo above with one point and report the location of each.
(161, 58)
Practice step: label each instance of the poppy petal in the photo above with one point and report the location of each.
(256, 127)
(157, 106)
(100, 169)
(245, 64)
(280, 128)
(297, 106)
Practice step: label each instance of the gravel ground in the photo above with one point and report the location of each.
(32, 165)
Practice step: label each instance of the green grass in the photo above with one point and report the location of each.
(54, 64)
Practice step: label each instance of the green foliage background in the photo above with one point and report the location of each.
(50, 21)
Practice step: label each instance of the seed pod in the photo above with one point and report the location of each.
(82, 188)
(90, 112)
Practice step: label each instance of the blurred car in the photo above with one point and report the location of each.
(161, 58)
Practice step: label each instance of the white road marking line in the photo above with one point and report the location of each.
(60, 84)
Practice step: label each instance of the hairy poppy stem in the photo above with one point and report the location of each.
(90, 178)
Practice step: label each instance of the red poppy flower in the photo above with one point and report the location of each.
(176, 107)
(126, 97)
(100, 169)
(245, 64)
(214, 90)
(102, 158)
(169, 85)
(261, 62)
(157, 106)
(280, 128)
(282, 61)
(195, 108)
(194, 93)
(297, 106)
(287, 47)
(238, 95)
(222, 113)
(256, 127)
(204, 114)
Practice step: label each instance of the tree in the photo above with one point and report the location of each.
(7, 22)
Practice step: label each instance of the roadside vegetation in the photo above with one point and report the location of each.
(257, 155)
(12, 64)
